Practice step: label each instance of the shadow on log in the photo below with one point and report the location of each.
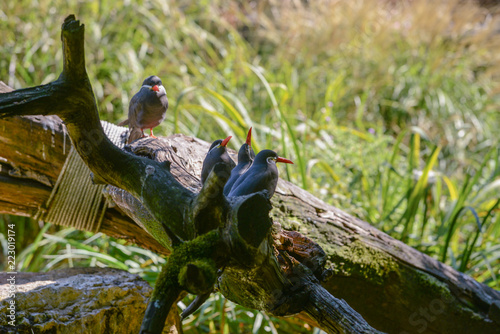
(274, 270)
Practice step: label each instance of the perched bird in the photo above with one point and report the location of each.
(147, 108)
(217, 153)
(245, 159)
(263, 174)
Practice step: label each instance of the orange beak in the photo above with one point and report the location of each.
(286, 161)
(155, 88)
(225, 141)
(249, 137)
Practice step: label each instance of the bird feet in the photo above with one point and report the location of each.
(151, 136)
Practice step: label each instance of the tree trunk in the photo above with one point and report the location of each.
(394, 287)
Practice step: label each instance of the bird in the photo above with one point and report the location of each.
(246, 155)
(147, 108)
(262, 175)
(217, 153)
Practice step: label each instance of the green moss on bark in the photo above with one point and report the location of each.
(201, 250)
(358, 260)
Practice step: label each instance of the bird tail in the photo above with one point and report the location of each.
(122, 123)
(135, 133)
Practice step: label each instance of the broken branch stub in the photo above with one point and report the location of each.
(209, 208)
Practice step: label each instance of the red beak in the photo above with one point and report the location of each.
(286, 161)
(225, 141)
(155, 88)
(249, 137)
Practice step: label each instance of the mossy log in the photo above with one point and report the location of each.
(275, 265)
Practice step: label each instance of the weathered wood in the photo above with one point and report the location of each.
(394, 287)
(31, 154)
(28, 173)
(74, 300)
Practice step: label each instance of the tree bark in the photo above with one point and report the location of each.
(394, 287)
(73, 300)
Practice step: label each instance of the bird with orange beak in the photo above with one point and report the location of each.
(246, 156)
(217, 153)
(147, 108)
(262, 175)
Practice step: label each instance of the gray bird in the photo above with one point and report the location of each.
(246, 156)
(217, 153)
(262, 175)
(147, 108)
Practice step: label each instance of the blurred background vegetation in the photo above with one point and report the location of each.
(390, 110)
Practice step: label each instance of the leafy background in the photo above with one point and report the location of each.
(389, 110)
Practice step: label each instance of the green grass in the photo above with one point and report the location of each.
(389, 112)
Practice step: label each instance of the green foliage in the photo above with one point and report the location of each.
(389, 110)
(63, 248)
(219, 315)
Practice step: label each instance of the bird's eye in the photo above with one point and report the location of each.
(271, 159)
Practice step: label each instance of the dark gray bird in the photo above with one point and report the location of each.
(147, 108)
(246, 155)
(217, 153)
(262, 175)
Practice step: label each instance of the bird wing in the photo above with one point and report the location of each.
(236, 184)
(247, 180)
(134, 109)
(122, 123)
(236, 173)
